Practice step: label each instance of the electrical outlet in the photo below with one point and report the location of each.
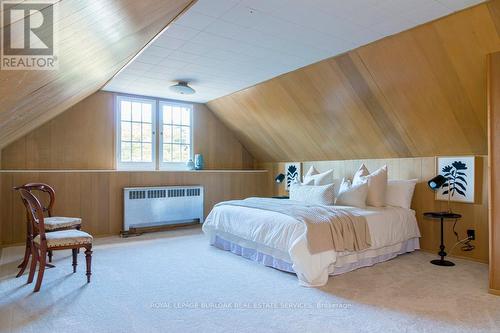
(471, 233)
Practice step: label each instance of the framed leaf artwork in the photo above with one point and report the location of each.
(293, 172)
(460, 174)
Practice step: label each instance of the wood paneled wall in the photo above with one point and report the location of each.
(419, 93)
(82, 138)
(97, 197)
(97, 38)
(475, 216)
(494, 170)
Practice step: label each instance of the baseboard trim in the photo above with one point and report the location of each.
(494, 292)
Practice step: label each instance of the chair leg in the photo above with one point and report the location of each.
(88, 258)
(24, 263)
(41, 269)
(50, 255)
(78, 227)
(34, 260)
(75, 259)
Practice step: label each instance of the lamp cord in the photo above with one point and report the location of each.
(466, 241)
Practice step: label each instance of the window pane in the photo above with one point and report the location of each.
(146, 152)
(136, 131)
(126, 128)
(185, 135)
(176, 153)
(185, 151)
(186, 117)
(136, 111)
(176, 134)
(176, 115)
(136, 152)
(167, 114)
(146, 113)
(146, 132)
(125, 110)
(167, 133)
(167, 153)
(126, 155)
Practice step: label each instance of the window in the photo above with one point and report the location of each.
(136, 133)
(176, 135)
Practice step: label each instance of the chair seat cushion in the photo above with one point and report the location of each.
(65, 238)
(60, 222)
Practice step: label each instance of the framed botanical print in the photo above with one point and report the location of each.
(293, 172)
(460, 174)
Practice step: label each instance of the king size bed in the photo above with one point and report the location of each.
(280, 241)
(292, 235)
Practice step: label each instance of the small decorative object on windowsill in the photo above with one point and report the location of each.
(190, 164)
(198, 162)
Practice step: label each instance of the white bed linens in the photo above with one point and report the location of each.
(283, 237)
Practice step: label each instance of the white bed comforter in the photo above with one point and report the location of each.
(283, 237)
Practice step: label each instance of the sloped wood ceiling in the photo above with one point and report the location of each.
(421, 92)
(96, 39)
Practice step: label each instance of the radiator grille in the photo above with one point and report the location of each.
(133, 195)
(157, 194)
(193, 192)
(171, 193)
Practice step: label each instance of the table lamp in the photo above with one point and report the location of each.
(438, 182)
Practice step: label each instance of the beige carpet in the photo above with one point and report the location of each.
(175, 282)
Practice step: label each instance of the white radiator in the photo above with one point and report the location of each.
(157, 206)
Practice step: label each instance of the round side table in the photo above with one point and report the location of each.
(442, 216)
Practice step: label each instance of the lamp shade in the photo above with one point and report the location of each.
(436, 182)
(279, 178)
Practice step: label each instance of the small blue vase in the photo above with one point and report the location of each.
(198, 162)
(190, 164)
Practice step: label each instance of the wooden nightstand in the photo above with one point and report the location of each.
(442, 216)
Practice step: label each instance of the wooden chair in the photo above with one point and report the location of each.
(51, 241)
(52, 223)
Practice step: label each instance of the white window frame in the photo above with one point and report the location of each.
(154, 109)
(173, 165)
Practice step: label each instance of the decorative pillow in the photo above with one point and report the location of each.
(311, 172)
(321, 195)
(362, 171)
(377, 185)
(352, 195)
(317, 178)
(400, 193)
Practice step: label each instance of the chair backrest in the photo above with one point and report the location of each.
(35, 209)
(45, 188)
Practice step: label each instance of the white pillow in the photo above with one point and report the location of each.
(362, 171)
(321, 195)
(352, 195)
(313, 177)
(400, 193)
(311, 172)
(377, 185)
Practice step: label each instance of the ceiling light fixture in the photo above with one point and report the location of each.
(182, 88)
